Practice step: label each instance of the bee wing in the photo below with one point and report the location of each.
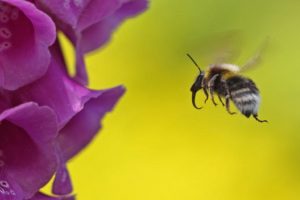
(220, 47)
(226, 47)
(256, 59)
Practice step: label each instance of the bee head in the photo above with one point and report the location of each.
(197, 84)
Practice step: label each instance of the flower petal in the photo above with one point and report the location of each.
(5, 101)
(99, 33)
(62, 183)
(27, 144)
(96, 11)
(79, 13)
(25, 35)
(78, 109)
(84, 126)
(66, 99)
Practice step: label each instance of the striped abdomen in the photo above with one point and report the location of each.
(244, 94)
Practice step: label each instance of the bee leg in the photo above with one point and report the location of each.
(227, 98)
(212, 96)
(204, 86)
(256, 118)
(194, 100)
(228, 105)
(211, 88)
(221, 99)
(206, 94)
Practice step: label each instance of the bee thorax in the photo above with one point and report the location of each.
(227, 67)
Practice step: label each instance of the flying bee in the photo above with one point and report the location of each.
(225, 81)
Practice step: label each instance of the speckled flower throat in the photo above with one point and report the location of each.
(8, 22)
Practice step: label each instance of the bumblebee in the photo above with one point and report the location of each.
(225, 81)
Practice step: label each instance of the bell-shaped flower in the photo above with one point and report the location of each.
(78, 110)
(25, 35)
(28, 157)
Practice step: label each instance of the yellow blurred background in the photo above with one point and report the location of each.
(156, 146)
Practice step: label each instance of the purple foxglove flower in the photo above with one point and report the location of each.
(78, 111)
(25, 35)
(28, 157)
(68, 98)
(90, 23)
(4, 100)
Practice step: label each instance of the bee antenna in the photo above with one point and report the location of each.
(192, 59)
